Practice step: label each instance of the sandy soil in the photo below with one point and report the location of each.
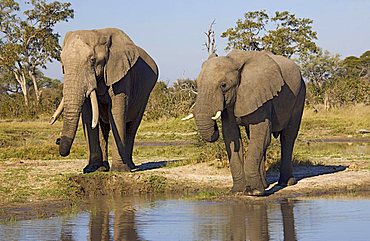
(338, 176)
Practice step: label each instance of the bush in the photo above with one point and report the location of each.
(344, 91)
(12, 105)
(174, 101)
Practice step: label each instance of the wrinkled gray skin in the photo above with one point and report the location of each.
(261, 92)
(123, 75)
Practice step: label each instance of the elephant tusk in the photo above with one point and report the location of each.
(95, 109)
(57, 112)
(191, 107)
(188, 117)
(218, 114)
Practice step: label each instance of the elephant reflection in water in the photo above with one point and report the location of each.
(252, 222)
(247, 221)
(122, 219)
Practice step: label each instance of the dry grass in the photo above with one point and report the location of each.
(343, 122)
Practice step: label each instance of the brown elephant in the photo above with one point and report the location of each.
(260, 91)
(108, 79)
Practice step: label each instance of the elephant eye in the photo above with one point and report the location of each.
(92, 60)
(223, 86)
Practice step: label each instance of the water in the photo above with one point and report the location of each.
(138, 218)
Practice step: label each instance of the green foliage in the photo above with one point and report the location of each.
(291, 35)
(335, 82)
(247, 34)
(317, 69)
(342, 91)
(288, 35)
(28, 41)
(358, 67)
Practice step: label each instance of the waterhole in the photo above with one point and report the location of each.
(148, 218)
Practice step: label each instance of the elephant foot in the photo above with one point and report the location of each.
(119, 166)
(290, 182)
(97, 167)
(238, 188)
(255, 188)
(131, 165)
(256, 192)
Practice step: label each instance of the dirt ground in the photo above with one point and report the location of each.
(336, 177)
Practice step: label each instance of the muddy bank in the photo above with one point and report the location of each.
(204, 179)
(201, 180)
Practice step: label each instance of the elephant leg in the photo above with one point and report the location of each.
(131, 130)
(117, 119)
(104, 135)
(234, 148)
(288, 220)
(286, 167)
(263, 171)
(260, 138)
(287, 140)
(262, 166)
(95, 155)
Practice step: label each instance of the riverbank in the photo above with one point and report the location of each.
(167, 177)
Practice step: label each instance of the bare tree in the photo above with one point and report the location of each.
(211, 43)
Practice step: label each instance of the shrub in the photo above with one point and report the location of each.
(174, 101)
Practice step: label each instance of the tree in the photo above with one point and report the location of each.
(358, 67)
(318, 69)
(247, 34)
(336, 82)
(29, 42)
(7, 83)
(288, 35)
(210, 44)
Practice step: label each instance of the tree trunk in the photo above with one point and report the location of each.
(34, 81)
(21, 79)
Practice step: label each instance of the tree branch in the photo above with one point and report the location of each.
(211, 43)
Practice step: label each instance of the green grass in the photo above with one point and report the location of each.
(22, 184)
(36, 139)
(156, 183)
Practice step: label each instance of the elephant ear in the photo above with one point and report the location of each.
(260, 81)
(66, 37)
(123, 55)
(290, 72)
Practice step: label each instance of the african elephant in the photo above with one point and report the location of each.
(108, 79)
(260, 91)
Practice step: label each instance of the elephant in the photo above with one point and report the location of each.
(257, 90)
(107, 81)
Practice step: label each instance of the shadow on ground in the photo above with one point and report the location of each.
(302, 172)
(154, 165)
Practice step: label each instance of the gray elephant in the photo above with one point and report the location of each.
(262, 92)
(108, 79)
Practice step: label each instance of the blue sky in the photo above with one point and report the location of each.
(173, 31)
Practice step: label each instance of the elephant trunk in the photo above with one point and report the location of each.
(207, 110)
(74, 97)
(207, 127)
